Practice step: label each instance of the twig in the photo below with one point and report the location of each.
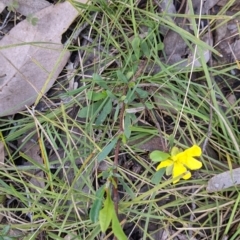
(121, 130)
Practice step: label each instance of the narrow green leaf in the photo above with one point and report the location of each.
(127, 125)
(117, 228)
(111, 95)
(106, 150)
(158, 156)
(145, 49)
(3, 184)
(124, 139)
(106, 214)
(5, 230)
(96, 96)
(126, 188)
(130, 96)
(88, 110)
(122, 77)
(136, 47)
(97, 78)
(142, 93)
(8, 238)
(105, 174)
(157, 176)
(104, 113)
(160, 46)
(117, 110)
(136, 43)
(129, 74)
(97, 204)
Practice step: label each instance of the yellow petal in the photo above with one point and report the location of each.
(192, 163)
(187, 175)
(194, 151)
(178, 170)
(164, 164)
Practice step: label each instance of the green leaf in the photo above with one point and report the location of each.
(136, 43)
(97, 204)
(129, 74)
(97, 78)
(106, 150)
(13, 6)
(160, 46)
(122, 77)
(127, 125)
(136, 47)
(106, 214)
(9, 238)
(111, 95)
(88, 110)
(157, 176)
(126, 188)
(104, 113)
(31, 19)
(106, 174)
(117, 110)
(34, 21)
(5, 230)
(117, 228)
(158, 156)
(130, 96)
(145, 49)
(96, 96)
(142, 93)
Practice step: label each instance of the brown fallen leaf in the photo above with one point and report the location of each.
(32, 57)
(32, 150)
(26, 7)
(2, 6)
(224, 180)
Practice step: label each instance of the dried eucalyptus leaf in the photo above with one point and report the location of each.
(31, 152)
(236, 48)
(224, 180)
(32, 57)
(2, 6)
(26, 7)
(210, 3)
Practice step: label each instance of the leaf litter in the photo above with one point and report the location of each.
(32, 57)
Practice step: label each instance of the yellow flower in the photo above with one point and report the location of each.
(179, 161)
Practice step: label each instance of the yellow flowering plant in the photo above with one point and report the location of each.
(178, 161)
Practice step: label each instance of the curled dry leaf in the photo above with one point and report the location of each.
(33, 56)
(26, 7)
(224, 180)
